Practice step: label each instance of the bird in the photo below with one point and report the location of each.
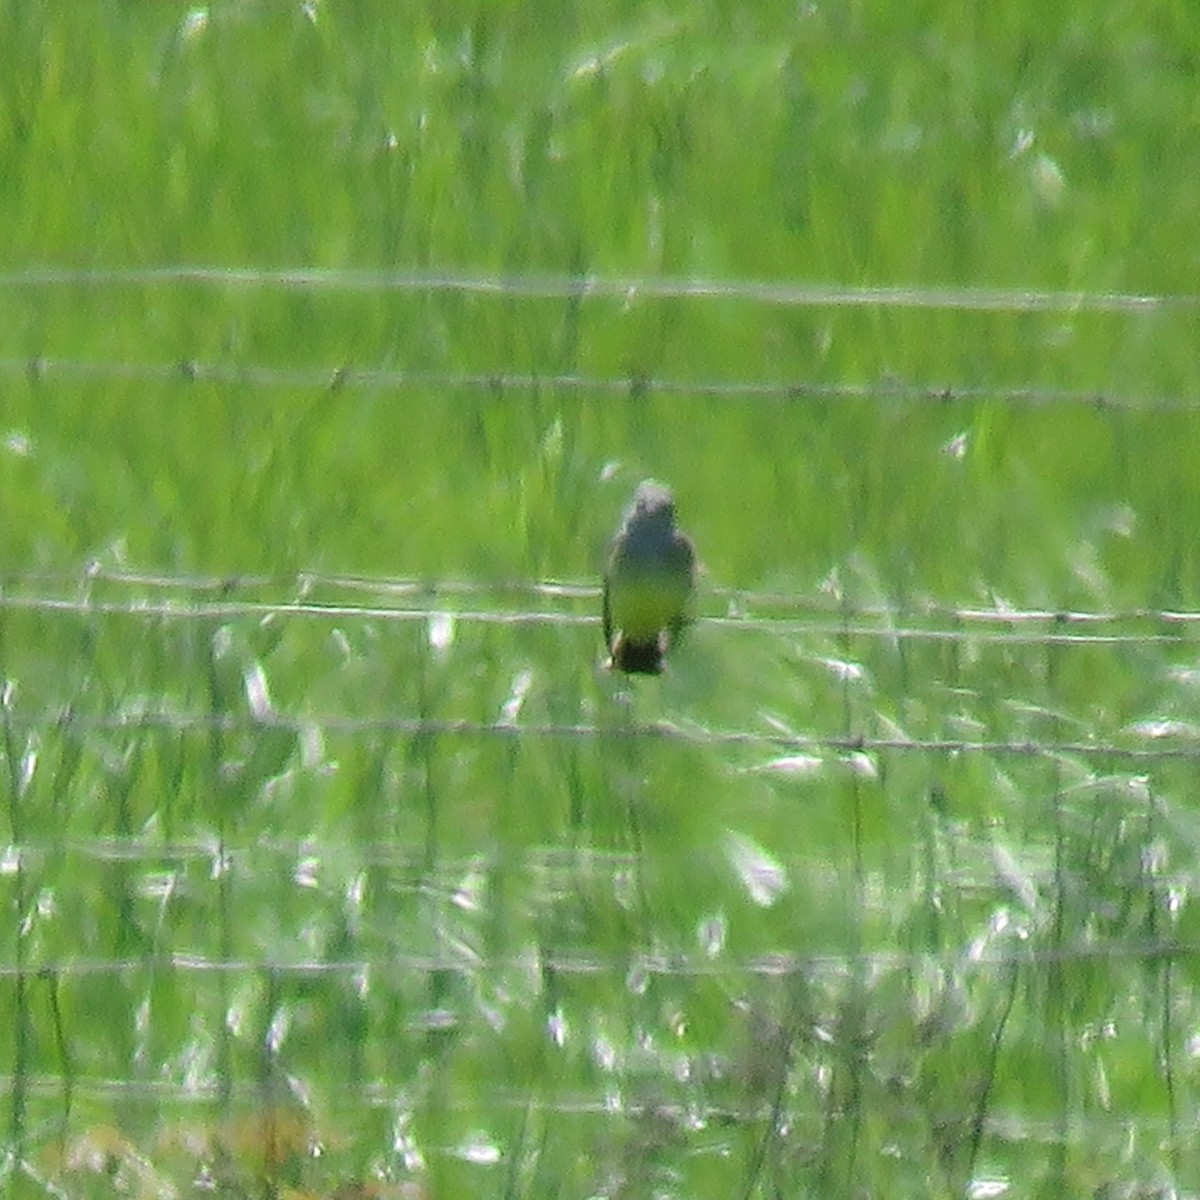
(648, 583)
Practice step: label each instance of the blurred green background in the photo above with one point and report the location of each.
(333, 340)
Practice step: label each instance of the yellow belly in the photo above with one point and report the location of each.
(642, 606)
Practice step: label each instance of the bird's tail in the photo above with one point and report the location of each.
(638, 658)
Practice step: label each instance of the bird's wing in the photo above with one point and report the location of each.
(683, 555)
(607, 616)
(685, 552)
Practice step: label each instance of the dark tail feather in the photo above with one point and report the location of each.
(638, 658)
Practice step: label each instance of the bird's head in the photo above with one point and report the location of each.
(653, 504)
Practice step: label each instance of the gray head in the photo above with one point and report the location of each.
(653, 505)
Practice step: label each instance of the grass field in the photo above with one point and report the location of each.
(333, 340)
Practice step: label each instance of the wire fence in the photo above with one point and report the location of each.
(103, 593)
(566, 286)
(1182, 740)
(578, 288)
(184, 611)
(420, 599)
(194, 370)
(678, 966)
(160, 867)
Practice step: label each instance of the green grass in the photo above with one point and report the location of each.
(445, 897)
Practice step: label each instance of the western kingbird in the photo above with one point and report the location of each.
(648, 584)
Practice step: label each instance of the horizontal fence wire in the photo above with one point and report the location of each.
(40, 369)
(177, 610)
(772, 966)
(565, 286)
(1182, 740)
(310, 858)
(1011, 1126)
(417, 599)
